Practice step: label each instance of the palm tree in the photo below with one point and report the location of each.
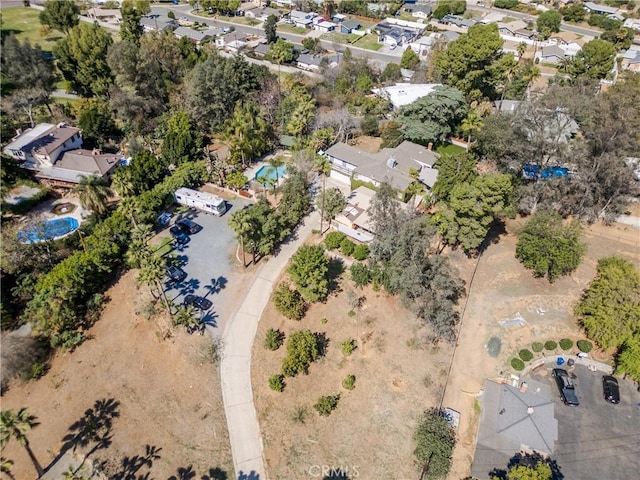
(16, 425)
(129, 207)
(275, 163)
(93, 192)
(186, 315)
(522, 47)
(564, 63)
(240, 223)
(122, 184)
(5, 467)
(246, 132)
(471, 124)
(266, 182)
(151, 274)
(322, 166)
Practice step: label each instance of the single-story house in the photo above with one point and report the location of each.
(395, 36)
(233, 41)
(301, 19)
(600, 9)
(262, 13)
(111, 15)
(551, 54)
(402, 94)
(313, 63)
(511, 28)
(420, 10)
(347, 26)
(450, 36)
(424, 44)
(196, 36)
(156, 23)
(262, 49)
(513, 420)
(55, 154)
(631, 59)
(391, 165)
(525, 34)
(457, 21)
(354, 221)
(506, 105)
(325, 26)
(632, 23)
(338, 18)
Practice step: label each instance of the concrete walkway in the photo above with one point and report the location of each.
(235, 366)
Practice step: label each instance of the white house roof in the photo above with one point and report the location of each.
(402, 94)
(600, 8)
(28, 136)
(189, 32)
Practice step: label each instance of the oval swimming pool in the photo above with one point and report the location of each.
(48, 230)
(267, 172)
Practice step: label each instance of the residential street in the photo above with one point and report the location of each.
(235, 366)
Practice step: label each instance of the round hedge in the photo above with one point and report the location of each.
(585, 346)
(537, 347)
(566, 344)
(517, 364)
(525, 355)
(550, 345)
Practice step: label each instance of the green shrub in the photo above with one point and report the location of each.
(332, 240)
(323, 321)
(550, 345)
(493, 346)
(525, 355)
(537, 347)
(299, 414)
(351, 313)
(360, 274)
(517, 364)
(584, 346)
(327, 404)
(34, 371)
(302, 349)
(347, 247)
(348, 346)
(349, 382)
(289, 302)
(273, 339)
(361, 252)
(566, 344)
(276, 382)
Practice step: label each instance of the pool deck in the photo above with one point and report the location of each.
(44, 212)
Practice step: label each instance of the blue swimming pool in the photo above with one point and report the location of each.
(267, 171)
(48, 230)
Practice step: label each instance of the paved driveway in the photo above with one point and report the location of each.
(208, 260)
(596, 440)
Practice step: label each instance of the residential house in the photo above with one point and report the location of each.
(301, 19)
(110, 15)
(423, 45)
(54, 153)
(632, 23)
(354, 221)
(631, 59)
(511, 28)
(526, 34)
(197, 36)
(507, 106)
(233, 41)
(513, 420)
(391, 165)
(450, 36)
(261, 50)
(402, 94)
(338, 18)
(407, 74)
(600, 9)
(419, 10)
(457, 21)
(395, 35)
(262, 13)
(551, 54)
(325, 26)
(157, 23)
(313, 63)
(348, 26)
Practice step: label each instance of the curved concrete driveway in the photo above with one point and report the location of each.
(235, 366)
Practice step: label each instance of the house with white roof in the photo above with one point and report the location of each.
(151, 23)
(631, 59)
(402, 94)
(632, 23)
(600, 9)
(197, 36)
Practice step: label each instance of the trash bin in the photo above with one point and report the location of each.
(570, 362)
(560, 361)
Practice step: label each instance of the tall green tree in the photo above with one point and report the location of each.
(309, 269)
(410, 59)
(628, 359)
(609, 309)
(132, 11)
(595, 60)
(270, 29)
(16, 425)
(472, 209)
(82, 59)
(332, 203)
(434, 117)
(240, 223)
(95, 119)
(475, 62)
(181, 142)
(281, 52)
(152, 273)
(24, 65)
(93, 192)
(453, 170)
(435, 440)
(549, 22)
(61, 15)
(247, 133)
(549, 247)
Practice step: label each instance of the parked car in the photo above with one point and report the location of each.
(176, 273)
(180, 236)
(163, 219)
(200, 302)
(611, 389)
(189, 226)
(566, 387)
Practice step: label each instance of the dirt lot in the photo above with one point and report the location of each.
(395, 381)
(167, 394)
(502, 289)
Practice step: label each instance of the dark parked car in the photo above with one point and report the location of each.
(188, 226)
(180, 236)
(175, 273)
(611, 389)
(200, 302)
(566, 387)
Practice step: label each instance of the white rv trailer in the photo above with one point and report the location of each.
(206, 202)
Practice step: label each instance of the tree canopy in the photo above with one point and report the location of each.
(132, 11)
(453, 170)
(61, 15)
(549, 22)
(549, 247)
(433, 117)
(309, 270)
(302, 350)
(435, 440)
(594, 60)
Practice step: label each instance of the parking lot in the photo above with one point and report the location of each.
(596, 440)
(209, 261)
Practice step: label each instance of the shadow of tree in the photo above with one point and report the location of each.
(322, 341)
(336, 475)
(216, 285)
(94, 427)
(252, 475)
(129, 466)
(184, 474)
(336, 268)
(215, 474)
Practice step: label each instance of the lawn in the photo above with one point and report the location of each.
(368, 42)
(25, 24)
(292, 29)
(449, 149)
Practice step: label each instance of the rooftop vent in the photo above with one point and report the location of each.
(391, 162)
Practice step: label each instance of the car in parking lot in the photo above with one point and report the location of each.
(566, 386)
(189, 226)
(611, 389)
(176, 273)
(180, 236)
(199, 302)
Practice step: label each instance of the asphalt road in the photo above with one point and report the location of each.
(596, 440)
